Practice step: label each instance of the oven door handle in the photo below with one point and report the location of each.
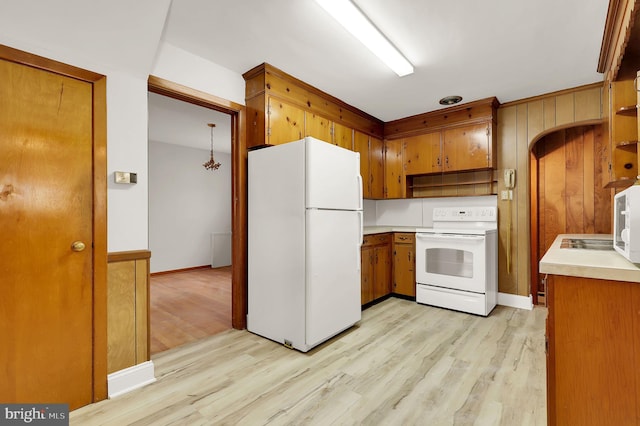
(450, 237)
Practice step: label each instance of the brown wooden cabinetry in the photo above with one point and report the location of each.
(342, 136)
(623, 133)
(371, 164)
(593, 351)
(285, 122)
(281, 108)
(318, 127)
(443, 150)
(394, 182)
(468, 148)
(404, 264)
(376, 267)
(421, 154)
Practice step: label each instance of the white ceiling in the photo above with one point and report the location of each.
(511, 49)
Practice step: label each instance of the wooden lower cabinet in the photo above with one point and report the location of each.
(376, 267)
(593, 352)
(404, 264)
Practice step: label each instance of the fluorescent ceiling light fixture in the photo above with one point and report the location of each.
(352, 18)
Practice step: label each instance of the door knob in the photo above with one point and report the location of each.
(77, 246)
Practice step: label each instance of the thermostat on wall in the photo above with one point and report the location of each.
(126, 177)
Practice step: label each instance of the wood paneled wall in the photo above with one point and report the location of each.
(127, 309)
(571, 198)
(520, 125)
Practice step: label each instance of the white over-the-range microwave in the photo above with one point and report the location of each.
(626, 223)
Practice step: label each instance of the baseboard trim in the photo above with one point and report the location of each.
(515, 301)
(131, 378)
(173, 271)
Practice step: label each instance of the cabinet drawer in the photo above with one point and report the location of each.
(375, 239)
(404, 237)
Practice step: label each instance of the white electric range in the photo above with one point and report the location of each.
(457, 260)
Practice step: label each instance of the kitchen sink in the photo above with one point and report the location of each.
(587, 243)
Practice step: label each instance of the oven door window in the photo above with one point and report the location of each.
(450, 262)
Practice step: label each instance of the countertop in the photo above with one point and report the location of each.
(598, 264)
(368, 230)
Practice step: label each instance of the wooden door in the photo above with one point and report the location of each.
(570, 197)
(361, 145)
(393, 176)
(422, 154)
(376, 159)
(404, 281)
(286, 123)
(381, 271)
(366, 286)
(46, 204)
(342, 136)
(467, 148)
(317, 126)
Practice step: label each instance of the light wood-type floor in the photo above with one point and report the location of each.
(403, 364)
(189, 305)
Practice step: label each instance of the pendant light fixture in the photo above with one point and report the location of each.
(211, 164)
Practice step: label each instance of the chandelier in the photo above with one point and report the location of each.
(211, 164)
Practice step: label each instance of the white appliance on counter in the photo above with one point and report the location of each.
(457, 260)
(626, 223)
(305, 232)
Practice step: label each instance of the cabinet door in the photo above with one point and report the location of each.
(317, 126)
(343, 136)
(591, 338)
(381, 271)
(467, 148)
(404, 281)
(286, 123)
(366, 288)
(421, 154)
(361, 145)
(376, 159)
(393, 175)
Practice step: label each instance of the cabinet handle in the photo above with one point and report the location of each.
(438, 161)
(446, 160)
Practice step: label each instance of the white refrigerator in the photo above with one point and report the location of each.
(304, 236)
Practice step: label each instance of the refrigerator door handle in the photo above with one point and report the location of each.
(359, 178)
(361, 217)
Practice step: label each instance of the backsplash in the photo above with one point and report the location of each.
(416, 211)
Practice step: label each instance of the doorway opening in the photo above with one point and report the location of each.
(567, 192)
(229, 231)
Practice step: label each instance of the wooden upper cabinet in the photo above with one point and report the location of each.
(318, 127)
(276, 105)
(286, 122)
(376, 167)
(361, 145)
(422, 154)
(394, 186)
(343, 136)
(467, 148)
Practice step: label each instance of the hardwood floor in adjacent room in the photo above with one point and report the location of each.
(189, 305)
(403, 364)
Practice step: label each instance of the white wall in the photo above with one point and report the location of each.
(127, 151)
(186, 204)
(418, 211)
(180, 66)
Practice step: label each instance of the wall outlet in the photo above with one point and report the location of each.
(506, 194)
